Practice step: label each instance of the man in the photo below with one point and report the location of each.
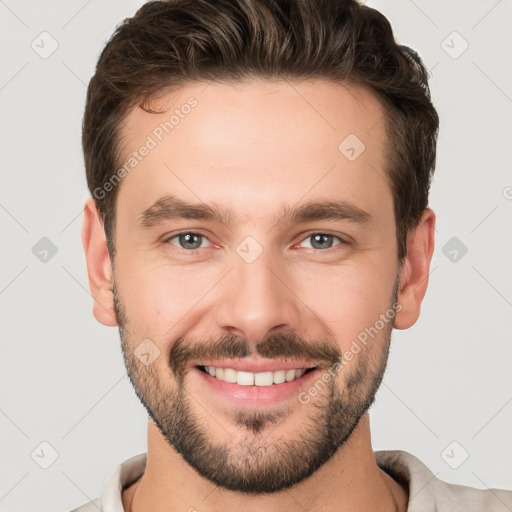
(259, 173)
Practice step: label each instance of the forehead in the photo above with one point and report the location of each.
(237, 141)
(307, 108)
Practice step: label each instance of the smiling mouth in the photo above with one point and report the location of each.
(262, 379)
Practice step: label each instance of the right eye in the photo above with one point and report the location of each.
(187, 240)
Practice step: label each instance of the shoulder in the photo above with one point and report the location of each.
(472, 500)
(429, 493)
(123, 476)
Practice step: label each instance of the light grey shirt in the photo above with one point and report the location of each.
(426, 492)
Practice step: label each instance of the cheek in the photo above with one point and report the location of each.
(347, 299)
(162, 298)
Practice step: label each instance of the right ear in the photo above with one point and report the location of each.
(99, 266)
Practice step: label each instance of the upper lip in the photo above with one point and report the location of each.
(255, 366)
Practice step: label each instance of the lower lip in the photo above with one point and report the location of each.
(257, 395)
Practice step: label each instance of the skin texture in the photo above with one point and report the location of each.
(255, 148)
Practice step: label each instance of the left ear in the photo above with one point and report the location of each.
(415, 271)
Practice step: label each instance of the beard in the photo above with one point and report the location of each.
(255, 464)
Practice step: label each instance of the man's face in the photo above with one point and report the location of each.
(261, 286)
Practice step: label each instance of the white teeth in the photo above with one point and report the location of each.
(290, 375)
(263, 378)
(229, 375)
(279, 376)
(254, 379)
(245, 378)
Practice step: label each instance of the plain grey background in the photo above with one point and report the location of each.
(447, 394)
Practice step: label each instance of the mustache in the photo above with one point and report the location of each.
(323, 351)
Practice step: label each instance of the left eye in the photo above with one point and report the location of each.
(322, 240)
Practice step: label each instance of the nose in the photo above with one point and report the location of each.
(257, 299)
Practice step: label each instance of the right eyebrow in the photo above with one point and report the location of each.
(170, 207)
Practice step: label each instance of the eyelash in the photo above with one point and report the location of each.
(342, 242)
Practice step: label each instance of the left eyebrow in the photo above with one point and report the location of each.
(170, 207)
(325, 210)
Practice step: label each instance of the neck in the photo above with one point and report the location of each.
(349, 481)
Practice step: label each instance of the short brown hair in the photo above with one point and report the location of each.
(169, 43)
